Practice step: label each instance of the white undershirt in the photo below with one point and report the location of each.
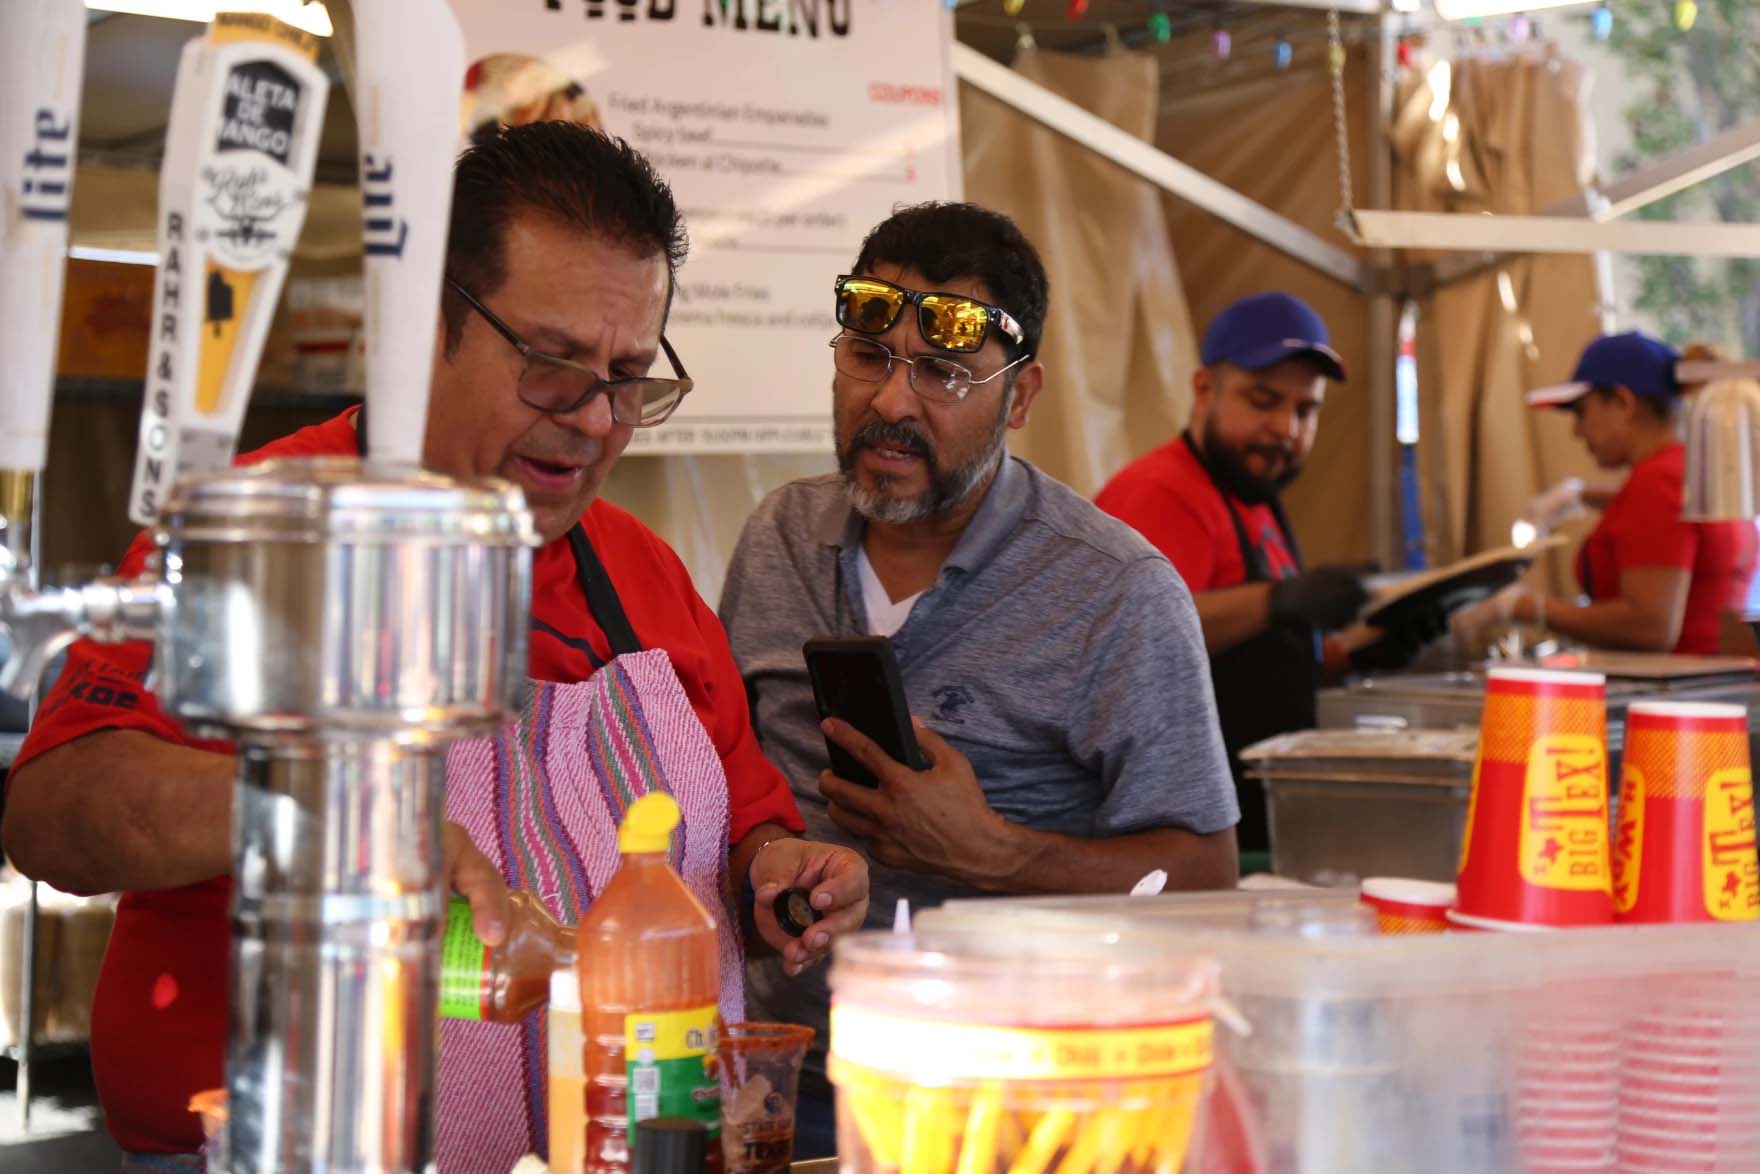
(884, 616)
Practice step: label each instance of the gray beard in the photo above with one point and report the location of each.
(947, 491)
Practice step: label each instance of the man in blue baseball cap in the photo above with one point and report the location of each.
(1209, 501)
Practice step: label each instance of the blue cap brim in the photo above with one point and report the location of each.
(1269, 356)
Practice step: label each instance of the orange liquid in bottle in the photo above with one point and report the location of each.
(647, 960)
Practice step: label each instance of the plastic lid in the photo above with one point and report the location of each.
(565, 991)
(669, 1145)
(647, 825)
(1409, 891)
(316, 499)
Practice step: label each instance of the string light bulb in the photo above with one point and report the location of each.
(1078, 9)
(1601, 22)
(1281, 53)
(1686, 14)
(1160, 27)
(1520, 28)
(1335, 58)
(1013, 7)
(1402, 53)
(1221, 43)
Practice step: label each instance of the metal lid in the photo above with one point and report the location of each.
(317, 499)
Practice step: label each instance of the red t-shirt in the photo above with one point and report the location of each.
(1170, 500)
(159, 1018)
(1642, 527)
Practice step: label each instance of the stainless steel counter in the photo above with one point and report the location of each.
(1336, 825)
(1440, 701)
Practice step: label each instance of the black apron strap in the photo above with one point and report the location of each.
(1251, 556)
(602, 599)
(1265, 685)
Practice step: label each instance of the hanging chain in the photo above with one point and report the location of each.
(1335, 63)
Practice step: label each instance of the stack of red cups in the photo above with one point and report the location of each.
(1685, 851)
(1534, 858)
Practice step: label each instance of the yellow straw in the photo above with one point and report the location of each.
(977, 1153)
(1011, 1132)
(1088, 1143)
(928, 1136)
(1148, 1134)
(1047, 1138)
(1176, 1125)
(877, 1116)
(1117, 1142)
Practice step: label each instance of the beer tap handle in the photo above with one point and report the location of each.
(236, 179)
(42, 56)
(409, 137)
(43, 623)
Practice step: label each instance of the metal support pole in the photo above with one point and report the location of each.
(1158, 167)
(27, 1010)
(1383, 308)
(27, 981)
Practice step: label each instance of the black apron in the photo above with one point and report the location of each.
(1266, 685)
(602, 602)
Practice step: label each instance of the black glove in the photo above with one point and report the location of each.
(1404, 634)
(1327, 597)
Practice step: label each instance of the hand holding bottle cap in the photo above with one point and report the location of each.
(794, 911)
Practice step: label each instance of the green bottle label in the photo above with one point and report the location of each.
(464, 966)
(669, 1060)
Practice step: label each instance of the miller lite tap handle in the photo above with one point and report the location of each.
(236, 179)
(409, 72)
(42, 55)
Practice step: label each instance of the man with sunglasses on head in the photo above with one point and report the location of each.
(549, 352)
(1051, 658)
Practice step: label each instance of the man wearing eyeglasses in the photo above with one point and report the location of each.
(1051, 658)
(561, 256)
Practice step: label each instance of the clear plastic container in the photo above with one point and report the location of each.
(970, 1053)
(1458, 1053)
(567, 1080)
(210, 1106)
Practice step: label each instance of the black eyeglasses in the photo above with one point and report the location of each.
(558, 386)
(931, 377)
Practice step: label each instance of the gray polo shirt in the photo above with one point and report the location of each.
(1057, 650)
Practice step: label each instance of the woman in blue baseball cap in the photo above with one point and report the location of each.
(1652, 581)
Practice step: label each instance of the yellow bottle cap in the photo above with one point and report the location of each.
(647, 825)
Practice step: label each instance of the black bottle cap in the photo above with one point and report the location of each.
(669, 1145)
(794, 911)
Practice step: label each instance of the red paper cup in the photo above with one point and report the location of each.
(1405, 906)
(1535, 849)
(1685, 846)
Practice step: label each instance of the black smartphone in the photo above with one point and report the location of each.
(856, 679)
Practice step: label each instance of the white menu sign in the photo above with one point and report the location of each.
(787, 128)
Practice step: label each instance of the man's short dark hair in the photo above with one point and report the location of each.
(945, 241)
(571, 173)
(1660, 411)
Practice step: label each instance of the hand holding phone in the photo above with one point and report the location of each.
(856, 680)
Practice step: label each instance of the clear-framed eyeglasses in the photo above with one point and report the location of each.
(557, 386)
(932, 377)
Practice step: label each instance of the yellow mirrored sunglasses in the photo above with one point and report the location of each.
(952, 322)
